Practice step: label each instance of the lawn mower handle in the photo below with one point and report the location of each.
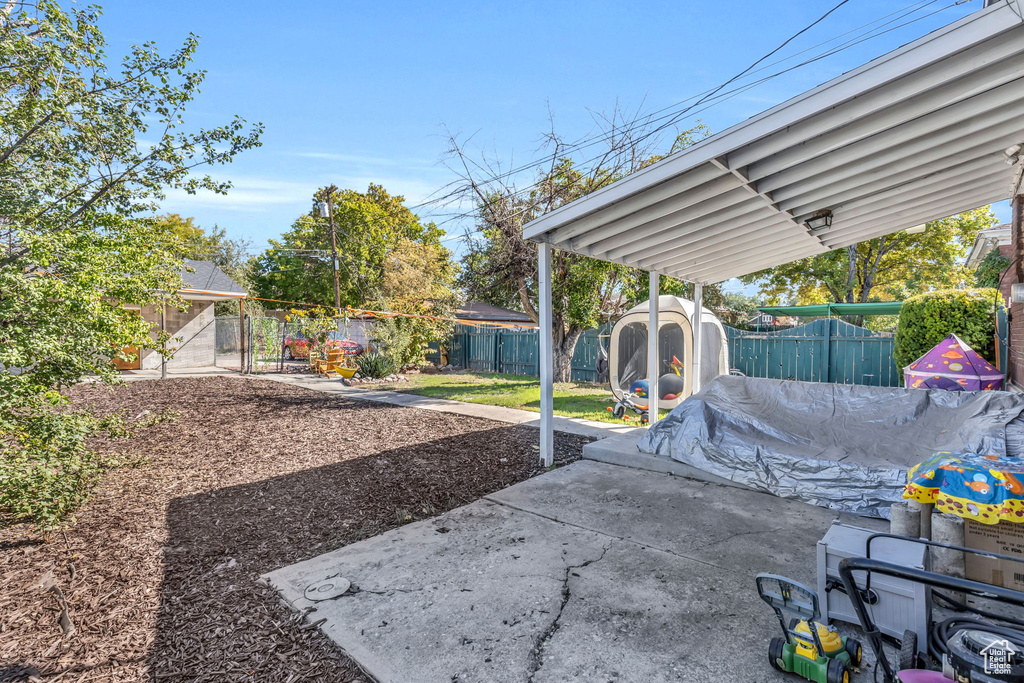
(931, 544)
(852, 564)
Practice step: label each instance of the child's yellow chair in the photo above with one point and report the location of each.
(335, 363)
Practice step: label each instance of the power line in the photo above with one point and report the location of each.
(651, 118)
(712, 94)
(738, 90)
(784, 43)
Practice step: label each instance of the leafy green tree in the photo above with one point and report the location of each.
(501, 267)
(737, 308)
(990, 270)
(418, 284)
(190, 241)
(740, 302)
(638, 289)
(478, 279)
(75, 173)
(369, 225)
(891, 268)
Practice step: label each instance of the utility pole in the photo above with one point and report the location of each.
(329, 191)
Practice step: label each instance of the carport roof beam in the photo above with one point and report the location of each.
(916, 134)
(869, 308)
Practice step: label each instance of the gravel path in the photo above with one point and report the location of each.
(159, 574)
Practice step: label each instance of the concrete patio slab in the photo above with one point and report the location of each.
(729, 528)
(589, 572)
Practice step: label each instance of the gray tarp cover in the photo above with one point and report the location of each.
(839, 446)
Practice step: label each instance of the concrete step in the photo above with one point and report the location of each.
(621, 450)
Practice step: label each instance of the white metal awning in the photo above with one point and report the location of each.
(915, 135)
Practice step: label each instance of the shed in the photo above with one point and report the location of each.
(193, 331)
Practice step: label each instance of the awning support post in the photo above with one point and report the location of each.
(547, 366)
(652, 347)
(241, 336)
(698, 306)
(163, 343)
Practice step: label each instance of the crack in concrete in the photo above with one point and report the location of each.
(356, 590)
(740, 533)
(537, 653)
(599, 532)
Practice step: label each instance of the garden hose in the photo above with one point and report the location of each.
(962, 607)
(942, 631)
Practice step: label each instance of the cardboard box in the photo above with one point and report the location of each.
(1006, 538)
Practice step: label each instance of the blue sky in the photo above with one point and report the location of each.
(353, 93)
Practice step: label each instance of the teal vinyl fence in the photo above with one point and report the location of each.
(587, 353)
(826, 350)
(516, 352)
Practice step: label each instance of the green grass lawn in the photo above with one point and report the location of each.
(587, 401)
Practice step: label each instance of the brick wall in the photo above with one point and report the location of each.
(1015, 371)
(1006, 250)
(193, 336)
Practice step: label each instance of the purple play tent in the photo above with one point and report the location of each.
(952, 365)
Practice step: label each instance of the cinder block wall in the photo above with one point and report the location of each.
(193, 336)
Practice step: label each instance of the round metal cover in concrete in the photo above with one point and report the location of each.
(327, 589)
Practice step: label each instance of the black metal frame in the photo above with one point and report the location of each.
(931, 544)
(852, 564)
(871, 597)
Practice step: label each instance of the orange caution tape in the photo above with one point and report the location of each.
(371, 313)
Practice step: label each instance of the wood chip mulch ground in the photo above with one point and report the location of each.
(158, 578)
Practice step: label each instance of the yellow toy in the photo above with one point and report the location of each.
(819, 655)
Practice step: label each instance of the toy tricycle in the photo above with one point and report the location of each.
(808, 648)
(637, 400)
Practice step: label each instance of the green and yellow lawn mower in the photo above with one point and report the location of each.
(808, 648)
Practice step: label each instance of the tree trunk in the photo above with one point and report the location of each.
(563, 350)
(851, 271)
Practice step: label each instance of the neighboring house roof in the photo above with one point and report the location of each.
(205, 281)
(986, 241)
(478, 310)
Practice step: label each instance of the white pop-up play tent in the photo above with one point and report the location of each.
(627, 353)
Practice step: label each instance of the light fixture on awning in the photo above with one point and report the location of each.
(1012, 154)
(820, 221)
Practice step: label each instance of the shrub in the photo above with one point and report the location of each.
(401, 341)
(375, 365)
(927, 319)
(46, 470)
